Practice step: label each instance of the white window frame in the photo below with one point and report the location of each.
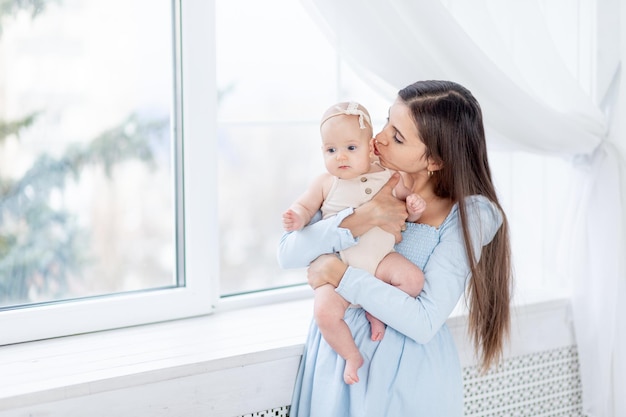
(199, 295)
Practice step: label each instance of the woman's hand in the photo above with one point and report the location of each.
(384, 210)
(326, 269)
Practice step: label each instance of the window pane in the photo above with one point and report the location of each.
(258, 187)
(87, 203)
(275, 77)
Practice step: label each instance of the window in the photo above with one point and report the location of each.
(89, 164)
(94, 206)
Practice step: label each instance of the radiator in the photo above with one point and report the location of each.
(275, 412)
(539, 384)
(542, 384)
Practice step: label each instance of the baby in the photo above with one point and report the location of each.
(353, 178)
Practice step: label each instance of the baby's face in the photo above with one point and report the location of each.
(346, 147)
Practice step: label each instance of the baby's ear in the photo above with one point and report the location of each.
(373, 157)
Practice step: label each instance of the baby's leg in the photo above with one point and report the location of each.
(398, 271)
(330, 308)
(415, 206)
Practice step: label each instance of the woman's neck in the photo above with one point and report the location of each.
(419, 184)
(437, 208)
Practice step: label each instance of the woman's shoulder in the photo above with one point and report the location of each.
(483, 216)
(481, 205)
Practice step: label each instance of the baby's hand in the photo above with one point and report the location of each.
(415, 205)
(292, 221)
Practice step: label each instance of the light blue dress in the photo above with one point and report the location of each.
(415, 369)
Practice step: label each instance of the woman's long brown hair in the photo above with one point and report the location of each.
(449, 121)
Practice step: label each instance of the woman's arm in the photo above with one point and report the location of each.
(446, 272)
(299, 248)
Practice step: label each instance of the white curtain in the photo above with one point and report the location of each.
(503, 51)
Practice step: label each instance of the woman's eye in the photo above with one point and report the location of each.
(397, 139)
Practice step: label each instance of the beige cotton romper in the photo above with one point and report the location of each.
(375, 244)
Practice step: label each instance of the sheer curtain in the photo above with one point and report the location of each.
(532, 100)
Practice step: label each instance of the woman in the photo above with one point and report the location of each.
(435, 138)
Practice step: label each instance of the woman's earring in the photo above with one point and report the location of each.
(430, 174)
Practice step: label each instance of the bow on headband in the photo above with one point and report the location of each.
(351, 110)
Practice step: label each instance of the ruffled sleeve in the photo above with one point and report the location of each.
(446, 273)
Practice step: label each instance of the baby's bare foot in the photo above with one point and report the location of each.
(350, 375)
(377, 326)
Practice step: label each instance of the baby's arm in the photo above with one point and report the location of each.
(295, 218)
(300, 213)
(415, 206)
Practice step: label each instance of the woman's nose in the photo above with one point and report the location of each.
(379, 139)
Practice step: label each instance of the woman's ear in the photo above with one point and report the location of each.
(434, 165)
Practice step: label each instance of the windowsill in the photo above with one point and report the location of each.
(54, 369)
(63, 368)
